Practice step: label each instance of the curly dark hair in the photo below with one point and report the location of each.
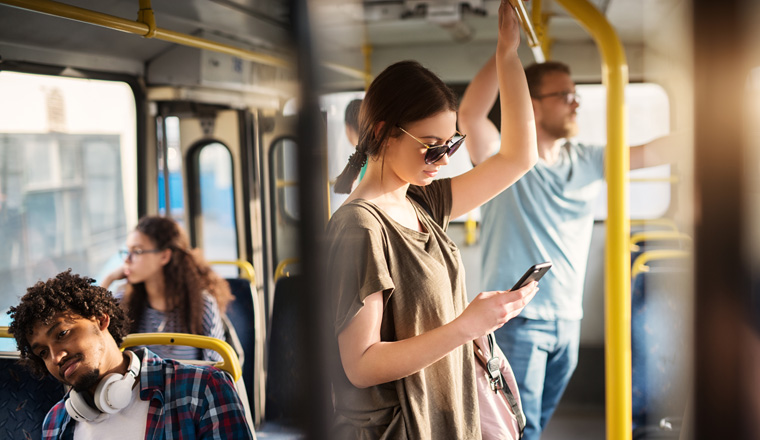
(186, 277)
(67, 292)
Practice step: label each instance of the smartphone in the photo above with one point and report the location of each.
(533, 274)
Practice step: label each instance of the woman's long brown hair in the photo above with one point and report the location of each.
(186, 277)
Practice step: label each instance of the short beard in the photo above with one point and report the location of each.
(561, 131)
(87, 381)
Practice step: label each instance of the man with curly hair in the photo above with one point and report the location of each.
(72, 329)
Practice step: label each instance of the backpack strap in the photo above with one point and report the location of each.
(498, 383)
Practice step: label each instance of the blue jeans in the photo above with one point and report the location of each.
(543, 355)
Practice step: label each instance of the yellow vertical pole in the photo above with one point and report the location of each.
(540, 21)
(617, 298)
(367, 52)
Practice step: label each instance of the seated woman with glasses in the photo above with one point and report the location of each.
(402, 325)
(170, 288)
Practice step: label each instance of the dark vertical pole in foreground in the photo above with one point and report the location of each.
(315, 406)
(721, 272)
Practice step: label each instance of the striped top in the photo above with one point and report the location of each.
(156, 321)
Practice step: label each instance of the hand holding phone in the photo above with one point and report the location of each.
(533, 274)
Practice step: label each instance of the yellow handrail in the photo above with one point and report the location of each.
(640, 264)
(666, 222)
(617, 300)
(657, 236)
(230, 362)
(540, 23)
(348, 71)
(279, 271)
(136, 27)
(669, 179)
(470, 228)
(530, 34)
(246, 268)
(367, 52)
(145, 26)
(280, 183)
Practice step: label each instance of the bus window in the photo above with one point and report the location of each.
(170, 163)
(217, 206)
(67, 178)
(284, 188)
(286, 179)
(648, 118)
(102, 162)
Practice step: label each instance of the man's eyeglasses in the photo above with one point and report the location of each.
(434, 153)
(568, 97)
(127, 255)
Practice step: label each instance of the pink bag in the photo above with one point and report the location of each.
(501, 416)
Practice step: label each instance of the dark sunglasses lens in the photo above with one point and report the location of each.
(455, 146)
(435, 154)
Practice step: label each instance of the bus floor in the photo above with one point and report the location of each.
(580, 413)
(576, 422)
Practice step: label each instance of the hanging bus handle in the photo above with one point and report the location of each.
(530, 33)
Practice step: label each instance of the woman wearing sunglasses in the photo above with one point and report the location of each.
(403, 326)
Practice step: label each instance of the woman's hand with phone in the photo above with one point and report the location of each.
(490, 310)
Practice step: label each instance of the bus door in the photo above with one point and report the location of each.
(197, 180)
(208, 179)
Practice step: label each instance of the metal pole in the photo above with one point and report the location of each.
(617, 297)
(316, 406)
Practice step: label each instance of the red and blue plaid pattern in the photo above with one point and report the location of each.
(186, 402)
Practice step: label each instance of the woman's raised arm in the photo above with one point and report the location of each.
(517, 151)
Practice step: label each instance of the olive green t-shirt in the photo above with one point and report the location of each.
(422, 279)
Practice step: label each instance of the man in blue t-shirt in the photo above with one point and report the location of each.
(546, 216)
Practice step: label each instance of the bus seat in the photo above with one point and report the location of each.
(231, 336)
(24, 398)
(659, 329)
(244, 315)
(653, 240)
(284, 375)
(245, 323)
(280, 272)
(230, 363)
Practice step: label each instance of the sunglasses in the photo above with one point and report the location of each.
(434, 153)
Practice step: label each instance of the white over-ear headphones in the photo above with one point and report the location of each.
(113, 393)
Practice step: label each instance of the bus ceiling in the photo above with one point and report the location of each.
(211, 45)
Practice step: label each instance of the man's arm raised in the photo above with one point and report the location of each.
(479, 97)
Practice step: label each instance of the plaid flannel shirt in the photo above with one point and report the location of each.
(186, 402)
